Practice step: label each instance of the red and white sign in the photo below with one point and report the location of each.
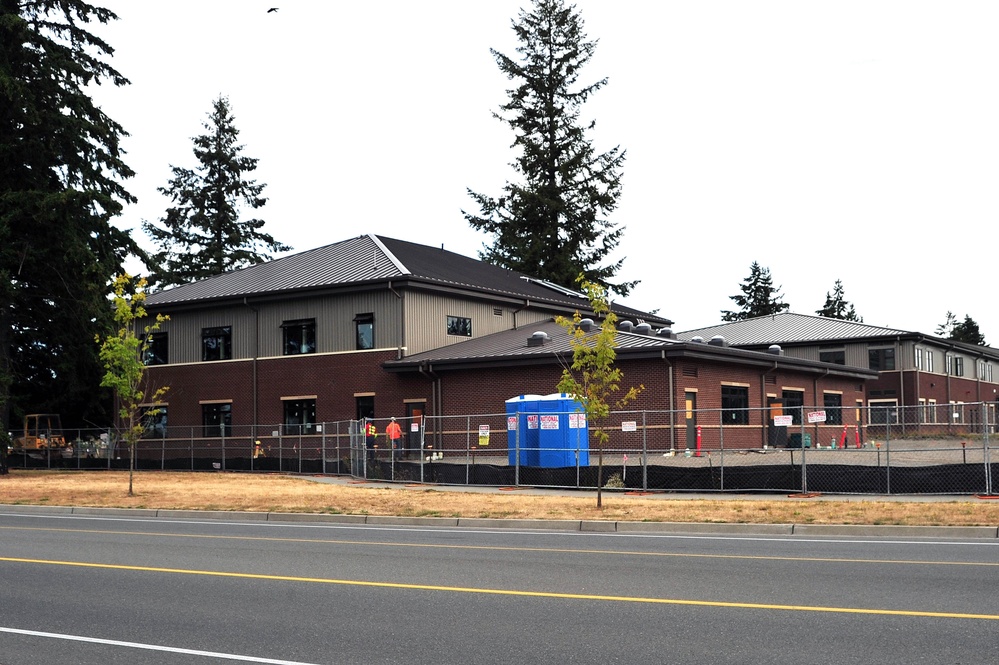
(816, 416)
(549, 422)
(629, 426)
(783, 421)
(532, 422)
(577, 420)
(511, 423)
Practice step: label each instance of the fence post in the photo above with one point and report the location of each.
(222, 431)
(192, 448)
(645, 451)
(804, 465)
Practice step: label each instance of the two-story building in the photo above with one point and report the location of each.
(374, 326)
(925, 384)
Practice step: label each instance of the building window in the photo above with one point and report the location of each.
(216, 343)
(156, 351)
(883, 411)
(920, 358)
(929, 360)
(299, 416)
(835, 356)
(735, 405)
(794, 401)
(216, 419)
(955, 366)
(833, 405)
(365, 406)
(154, 420)
(299, 336)
(459, 325)
(881, 359)
(985, 371)
(364, 325)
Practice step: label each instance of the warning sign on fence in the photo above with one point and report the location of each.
(783, 421)
(816, 416)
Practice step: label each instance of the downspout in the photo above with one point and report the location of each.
(399, 352)
(672, 400)
(256, 352)
(527, 304)
(426, 370)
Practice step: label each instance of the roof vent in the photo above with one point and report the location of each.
(625, 326)
(538, 338)
(775, 350)
(666, 332)
(718, 340)
(697, 339)
(644, 329)
(585, 325)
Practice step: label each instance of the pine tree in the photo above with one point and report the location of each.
(967, 331)
(202, 234)
(946, 328)
(759, 297)
(837, 307)
(553, 224)
(61, 168)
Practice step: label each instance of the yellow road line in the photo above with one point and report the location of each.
(498, 548)
(511, 592)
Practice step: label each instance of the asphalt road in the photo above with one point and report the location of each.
(102, 589)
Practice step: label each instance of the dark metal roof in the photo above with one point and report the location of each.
(371, 259)
(789, 328)
(511, 347)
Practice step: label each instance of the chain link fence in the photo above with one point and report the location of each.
(875, 449)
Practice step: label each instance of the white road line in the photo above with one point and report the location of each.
(152, 647)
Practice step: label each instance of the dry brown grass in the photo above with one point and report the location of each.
(279, 493)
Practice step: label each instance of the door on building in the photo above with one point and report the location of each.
(690, 402)
(414, 428)
(776, 436)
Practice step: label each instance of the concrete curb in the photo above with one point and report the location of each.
(586, 526)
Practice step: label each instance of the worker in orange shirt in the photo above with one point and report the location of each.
(394, 434)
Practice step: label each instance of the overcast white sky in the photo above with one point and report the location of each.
(826, 140)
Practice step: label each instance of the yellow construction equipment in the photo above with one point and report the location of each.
(41, 431)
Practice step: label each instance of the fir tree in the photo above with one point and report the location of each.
(967, 331)
(202, 234)
(946, 328)
(837, 307)
(61, 167)
(553, 224)
(759, 297)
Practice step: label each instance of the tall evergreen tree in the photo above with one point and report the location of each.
(837, 307)
(553, 224)
(758, 298)
(966, 331)
(61, 168)
(202, 234)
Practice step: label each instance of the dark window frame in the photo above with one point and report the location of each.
(154, 424)
(156, 350)
(298, 337)
(834, 356)
(364, 331)
(881, 360)
(216, 419)
(459, 326)
(832, 403)
(301, 409)
(216, 343)
(735, 405)
(794, 402)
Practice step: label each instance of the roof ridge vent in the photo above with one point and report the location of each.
(666, 332)
(697, 339)
(718, 340)
(585, 325)
(643, 328)
(625, 326)
(775, 350)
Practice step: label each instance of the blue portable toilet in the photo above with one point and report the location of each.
(522, 429)
(563, 432)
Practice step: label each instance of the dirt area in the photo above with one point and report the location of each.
(284, 493)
